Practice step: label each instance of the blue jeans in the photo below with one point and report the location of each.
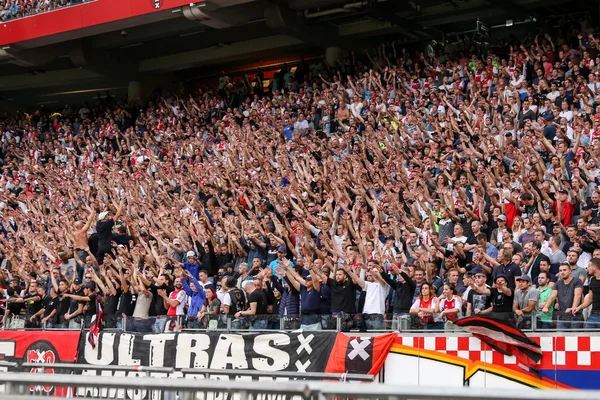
(259, 324)
(566, 322)
(546, 325)
(593, 322)
(374, 321)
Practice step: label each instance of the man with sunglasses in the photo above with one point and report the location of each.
(478, 298)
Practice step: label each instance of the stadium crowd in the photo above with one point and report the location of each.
(414, 188)
(13, 9)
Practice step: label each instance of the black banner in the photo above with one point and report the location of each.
(267, 352)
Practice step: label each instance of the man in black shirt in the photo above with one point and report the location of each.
(157, 308)
(88, 299)
(33, 304)
(343, 298)
(63, 305)
(50, 307)
(501, 298)
(257, 301)
(593, 296)
(104, 232)
(73, 317)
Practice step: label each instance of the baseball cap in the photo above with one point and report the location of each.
(526, 278)
(102, 215)
(499, 276)
(190, 253)
(282, 249)
(502, 218)
(176, 241)
(564, 191)
(77, 281)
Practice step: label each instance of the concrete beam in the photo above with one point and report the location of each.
(49, 79)
(215, 55)
(324, 35)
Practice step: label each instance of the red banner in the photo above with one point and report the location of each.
(81, 16)
(42, 347)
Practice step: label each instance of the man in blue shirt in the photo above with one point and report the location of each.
(192, 264)
(281, 253)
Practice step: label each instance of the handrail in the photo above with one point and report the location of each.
(81, 367)
(281, 374)
(15, 384)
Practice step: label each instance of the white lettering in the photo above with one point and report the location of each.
(229, 351)
(126, 350)
(157, 347)
(191, 351)
(104, 346)
(275, 359)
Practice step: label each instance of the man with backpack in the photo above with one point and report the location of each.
(233, 303)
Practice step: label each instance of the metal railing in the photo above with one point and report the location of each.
(17, 387)
(69, 368)
(340, 323)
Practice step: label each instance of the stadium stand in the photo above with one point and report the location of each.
(393, 190)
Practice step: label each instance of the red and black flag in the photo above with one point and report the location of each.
(359, 355)
(503, 337)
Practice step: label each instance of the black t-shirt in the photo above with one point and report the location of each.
(501, 302)
(157, 307)
(478, 301)
(50, 304)
(595, 289)
(15, 308)
(259, 297)
(343, 296)
(74, 304)
(104, 232)
(111, 302)
(33, 303)
(62, 307)
(90, 306)
(126, 304)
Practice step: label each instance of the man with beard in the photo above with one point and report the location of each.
(175, 303)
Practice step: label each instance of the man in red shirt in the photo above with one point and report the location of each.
(567, 210)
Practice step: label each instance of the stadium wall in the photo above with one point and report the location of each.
(568, 362)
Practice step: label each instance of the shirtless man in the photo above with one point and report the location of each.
(80, 235)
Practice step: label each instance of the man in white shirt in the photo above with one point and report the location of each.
(376, 293)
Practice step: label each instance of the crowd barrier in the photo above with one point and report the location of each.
(17, 386)
(569, 360)
(339, 323)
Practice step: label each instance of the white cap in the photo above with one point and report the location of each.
(102, 215)
(190, 254)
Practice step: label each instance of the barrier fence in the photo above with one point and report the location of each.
(339, 323)
(17, 386)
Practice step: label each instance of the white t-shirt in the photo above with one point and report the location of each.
(375, 298)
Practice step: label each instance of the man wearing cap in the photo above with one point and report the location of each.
(525, 302)
(191, 264)
(501, 298)
(104, 232)
(497, 236)
(478, 298)
(281, 253)
(309, 287)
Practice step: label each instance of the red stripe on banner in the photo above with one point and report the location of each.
(381, 348)
(80, 16)
(337, 357)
